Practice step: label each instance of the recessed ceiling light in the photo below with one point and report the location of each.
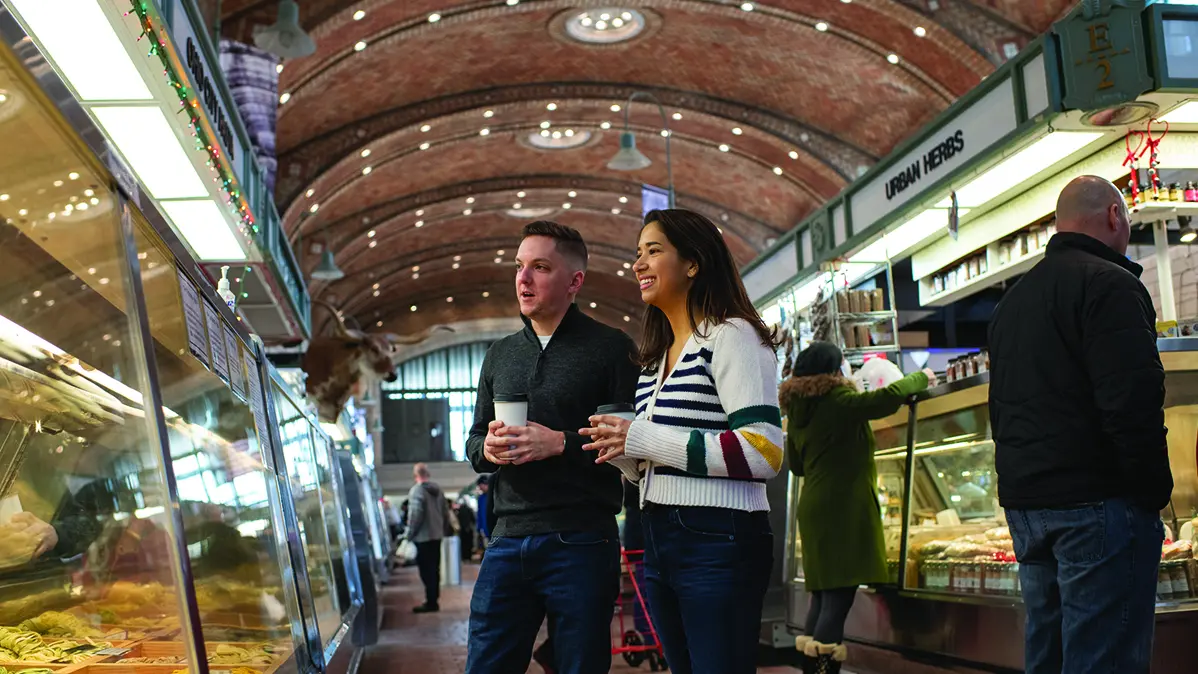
(457, 258)
(615, 108)
(95, 201)
(677, 115)
(91, 193)
(724, 148)
(748, 6)
(572, 194)
(449, 299)
(545, 124)
(58, 183)
(551, 107)
(544, 133)
(434, 18)
(419, 224)
(415, 275)
(468, 211)
(360, 45)
(284, 98)
(557, 134)
(778, 170)
(425, 129)
(605, 126)
(619, 272)
(615, 211)
(486, 294)
(420, 212)
(736, 130)
(313, 208)
(893, 58)
(378, 324)
(920, 31)
(593, 305)
(416, 268)
(566, 205)
(424, 146)
(412, 308)
(4, 197)
(366, 171)
(623, 200)
(469, 200)
(846, 1)
(498, 260)
(366, 153)
(489, 114)
(456, 265)
(793, 155)
(373, 244)
(309, 193)
(665, 133)
(370, 234)
(484, 132)
(359, 15)
(375, 286)
(500, 252)
(23, 212)
(512, 3)
(569, 132)
(73, 176)
(821, 27)
(517, 206)
(627, 319)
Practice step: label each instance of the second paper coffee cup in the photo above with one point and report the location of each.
(622, 410)
(512, 409)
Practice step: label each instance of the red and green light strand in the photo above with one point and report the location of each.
(204, 143)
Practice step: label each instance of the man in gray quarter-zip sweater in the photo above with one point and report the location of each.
(555, 547)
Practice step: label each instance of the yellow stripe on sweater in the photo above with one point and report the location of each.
(767, 449)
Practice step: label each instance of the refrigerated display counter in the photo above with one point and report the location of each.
(954, 587)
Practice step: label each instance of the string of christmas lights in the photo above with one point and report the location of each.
(190, 104)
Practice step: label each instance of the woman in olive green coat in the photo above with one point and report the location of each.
(831, 446)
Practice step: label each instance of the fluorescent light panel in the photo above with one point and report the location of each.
(1186, 113)
(145, 138)
(83, 46)
(202, 224)
(907, 236)
(1020, 166)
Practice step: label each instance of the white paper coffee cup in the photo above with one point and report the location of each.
(511, 409)
(622, 410)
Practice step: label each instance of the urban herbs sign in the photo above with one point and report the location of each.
(207, 92)
(911, 174)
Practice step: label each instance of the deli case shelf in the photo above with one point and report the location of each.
(954, 583)
(146, 496)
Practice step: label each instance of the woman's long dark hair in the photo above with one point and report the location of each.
(717, 293)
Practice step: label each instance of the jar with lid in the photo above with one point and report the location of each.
(1175, 192)
(1144, 195)
(1191, 192)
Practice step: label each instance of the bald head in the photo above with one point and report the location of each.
(1093, 206)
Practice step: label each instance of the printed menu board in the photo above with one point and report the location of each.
(254, 382)
(193, 314)
(216, 341)
(233, 355)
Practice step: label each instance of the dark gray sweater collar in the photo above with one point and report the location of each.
(573, 320)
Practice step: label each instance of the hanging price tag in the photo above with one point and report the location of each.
(193, 315)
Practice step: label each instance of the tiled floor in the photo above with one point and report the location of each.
(436, 643)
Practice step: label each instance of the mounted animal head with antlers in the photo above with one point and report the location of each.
(339, 364)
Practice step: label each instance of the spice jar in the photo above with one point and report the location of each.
(1175, 192)
(1191, 191)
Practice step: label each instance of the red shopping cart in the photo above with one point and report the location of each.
(636, 643)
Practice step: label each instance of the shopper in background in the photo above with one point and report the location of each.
(709, 427)
(831, 446)
(554, 550)
(1076, 407)
(428, 523)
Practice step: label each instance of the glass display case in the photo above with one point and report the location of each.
(316, 491)
(145, 504)
(942, 481)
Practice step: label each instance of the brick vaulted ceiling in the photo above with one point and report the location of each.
(410, 158)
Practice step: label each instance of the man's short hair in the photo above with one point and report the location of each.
(567, 239)
(421, 470)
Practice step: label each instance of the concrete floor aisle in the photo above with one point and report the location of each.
(436, 643)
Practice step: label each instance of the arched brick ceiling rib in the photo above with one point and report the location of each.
(810, 109)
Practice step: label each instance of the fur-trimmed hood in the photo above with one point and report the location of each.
(797, 395)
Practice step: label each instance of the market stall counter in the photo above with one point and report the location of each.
(955, 581)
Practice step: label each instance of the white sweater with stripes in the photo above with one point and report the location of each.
(709, 433)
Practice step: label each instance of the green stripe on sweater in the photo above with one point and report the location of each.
(696, 454)
(758, 414)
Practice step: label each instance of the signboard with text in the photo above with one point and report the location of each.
(956, 141)
(1102, 54)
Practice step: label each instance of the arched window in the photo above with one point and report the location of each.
(428, 410)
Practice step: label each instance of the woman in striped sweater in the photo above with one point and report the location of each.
(707, 436)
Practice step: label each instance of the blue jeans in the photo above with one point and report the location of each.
(570, 577)
(706, 570)
(1089, 584)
